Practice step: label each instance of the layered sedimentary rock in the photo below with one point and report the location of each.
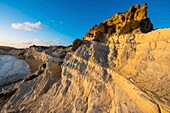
(45, 64)
(14, 68)
(127, 74)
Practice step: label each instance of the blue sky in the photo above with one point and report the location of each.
(59, 22)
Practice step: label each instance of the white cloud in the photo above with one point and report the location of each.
(27, 26)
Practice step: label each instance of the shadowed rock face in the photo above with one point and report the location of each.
(128, 74)
(133, 20)
(76, 44)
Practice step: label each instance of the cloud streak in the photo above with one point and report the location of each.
(26, 44)
(42, 42)
(27, 26)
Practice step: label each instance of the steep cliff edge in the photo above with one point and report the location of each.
(129, 73)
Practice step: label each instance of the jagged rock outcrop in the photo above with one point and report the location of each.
(133, 20)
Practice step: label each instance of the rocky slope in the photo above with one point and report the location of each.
(127, 73)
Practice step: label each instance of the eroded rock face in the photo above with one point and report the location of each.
(133, 20)
(129, 74)
(45, 64)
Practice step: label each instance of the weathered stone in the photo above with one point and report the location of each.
(77, 43)
(130, 74)
(133, 20)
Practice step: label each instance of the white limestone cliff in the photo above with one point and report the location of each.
(130, 73)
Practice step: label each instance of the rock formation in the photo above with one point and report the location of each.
(133, 20)
(4, 50)
(76, 44)
(127, 74)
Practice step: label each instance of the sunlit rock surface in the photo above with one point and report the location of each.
(134, 20)
(12, 69)
(128, 74)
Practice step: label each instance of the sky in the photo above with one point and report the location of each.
(60, 22)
